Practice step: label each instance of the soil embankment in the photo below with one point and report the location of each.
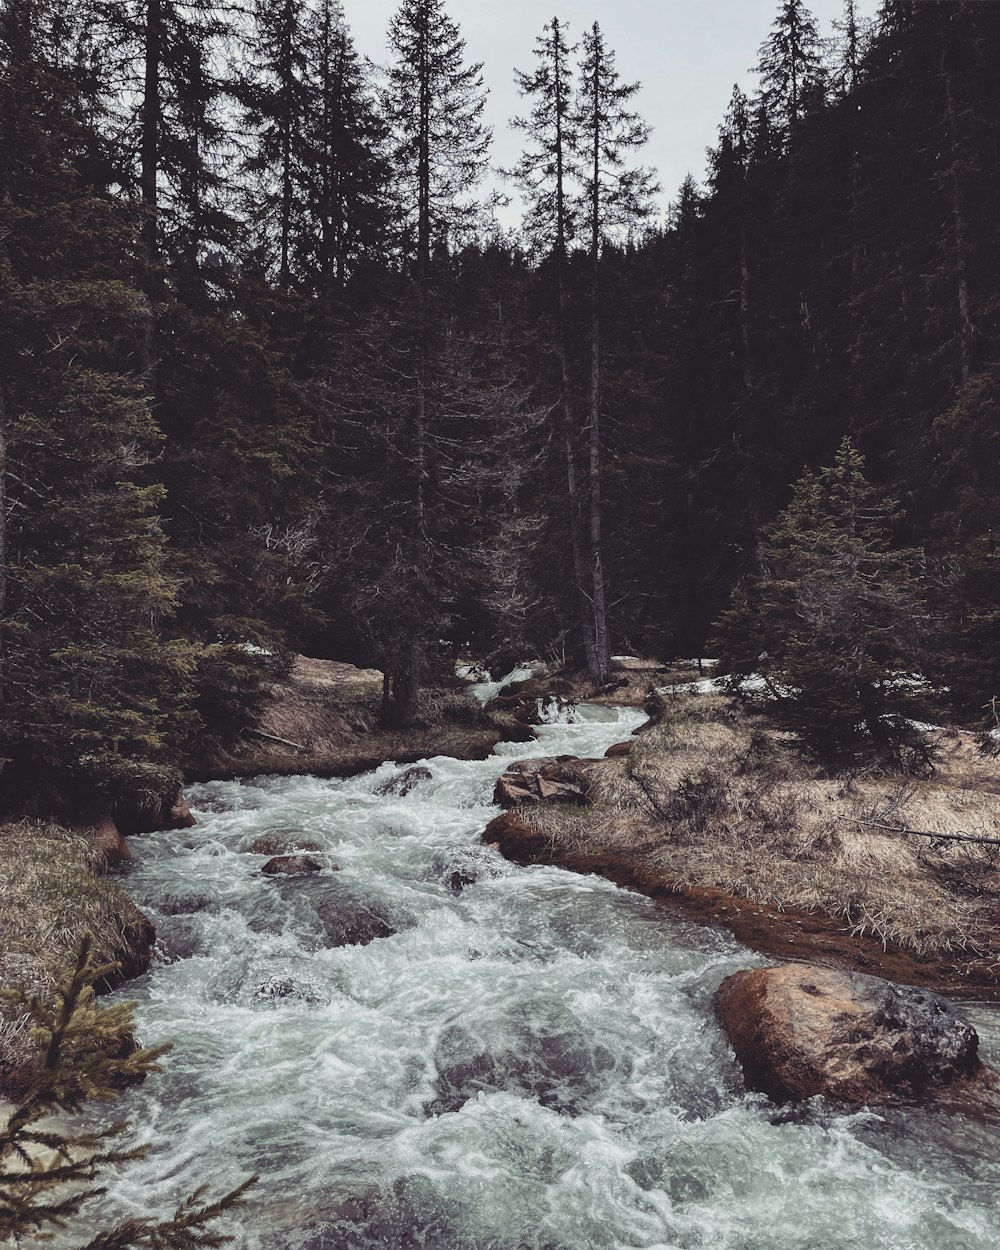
(709, 810)
(53, 897)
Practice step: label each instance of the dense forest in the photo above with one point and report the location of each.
(273, 378)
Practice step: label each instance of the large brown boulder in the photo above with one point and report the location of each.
(560, 779)
(800, 1030)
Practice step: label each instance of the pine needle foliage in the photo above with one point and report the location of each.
(47, 1171)
(836, 623)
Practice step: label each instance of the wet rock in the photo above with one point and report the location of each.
(800, 1030)
(618, 749)
(404, 782)
(468, 867)
(279, 989)
(179, 815)
(292, 866)
(280, 844)
(540, 1051)
(351, 923)
(115, 853)
(179, 937)
(185, 904)
(560, 779)
(515, 839)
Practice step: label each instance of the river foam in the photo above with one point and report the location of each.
(529, 1061)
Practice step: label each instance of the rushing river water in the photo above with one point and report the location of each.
(529, 1061)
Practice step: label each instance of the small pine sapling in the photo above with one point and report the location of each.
(47, 1171)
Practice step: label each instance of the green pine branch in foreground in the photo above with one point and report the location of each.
(47, 1173)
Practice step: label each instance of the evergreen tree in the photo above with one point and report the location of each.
(275, 104)
(546, 173)
(433, 103)
(90, 697)
(838, 623)
(614, 197)
(791, 66)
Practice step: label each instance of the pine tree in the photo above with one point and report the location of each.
(791, 66)
(837, 624)
(345, 170)
(546, 173)
(614, 198)
(47, 1173)
(90, 696)
(433, 102)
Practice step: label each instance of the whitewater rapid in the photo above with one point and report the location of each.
(530, 1061)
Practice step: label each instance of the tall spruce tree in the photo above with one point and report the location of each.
(615, 197)
(791, 65)
(546, 173)
(433, 102)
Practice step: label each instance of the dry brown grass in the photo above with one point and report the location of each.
(50, 898)
(713, 797)
(326, 716)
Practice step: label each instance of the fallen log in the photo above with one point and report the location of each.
(259, 733)
(922, 833)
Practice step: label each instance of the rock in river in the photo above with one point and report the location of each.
(800, 1030)
(292, 866)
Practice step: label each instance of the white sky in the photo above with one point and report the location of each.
(687, 54)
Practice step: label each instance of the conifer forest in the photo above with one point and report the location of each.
(273, 377)
(570, 603)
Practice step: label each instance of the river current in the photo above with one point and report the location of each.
(530, 1061)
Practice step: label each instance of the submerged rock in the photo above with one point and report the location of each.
(540, 1050)
(467, 867)
(800, 1030)
(279, 844)
(404, 782)
(352, 924)
(292, 866)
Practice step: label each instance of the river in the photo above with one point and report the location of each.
(529, 1061)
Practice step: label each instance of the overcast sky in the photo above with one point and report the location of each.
(687, 54)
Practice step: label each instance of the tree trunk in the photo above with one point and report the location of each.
(959, 230)
(149, 168)
(749, 453)
(287, 85)
(3, 543)
(600, 668)
(565, 399)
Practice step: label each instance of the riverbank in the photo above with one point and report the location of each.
(323, 720)
(53, 896)
(712, 812)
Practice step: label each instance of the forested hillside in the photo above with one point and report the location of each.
(273, 378)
